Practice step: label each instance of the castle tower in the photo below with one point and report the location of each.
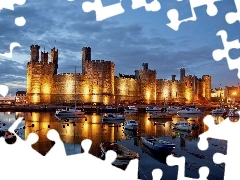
(34, 53)
(86, 57)
(173, 77)
(182, 74)
(145, 66)
(54, 58)
(207, 82)
(44, 57)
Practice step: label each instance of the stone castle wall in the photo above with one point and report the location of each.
(97, 83)
(126, 89)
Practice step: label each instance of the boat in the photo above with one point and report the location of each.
(109, 117)
(131, 124)
(160, 115)
(130, 133)
(70, 112)
(189, 110)
(153, 109)
(233, 113)
(124, 155)
(109, 107)
(218, 111)
(182, 125)
(158, 145)
(173, 109)
(131, 109)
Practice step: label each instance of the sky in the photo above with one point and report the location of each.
(129, 39)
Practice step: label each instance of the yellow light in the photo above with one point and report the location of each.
(94, 98)
(148, 93)
(69, 87)
(36, 98)
(86, 90)
(46, 89)
(234, 93)
(105, 100)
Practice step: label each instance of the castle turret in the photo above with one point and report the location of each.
(34, 53)
(44, 57)
(145, 66)
(173, 77)
(86, 57)
(54, 58)
(182, 74)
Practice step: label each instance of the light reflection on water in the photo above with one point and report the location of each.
(94, 130)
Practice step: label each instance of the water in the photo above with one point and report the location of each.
(90, 127)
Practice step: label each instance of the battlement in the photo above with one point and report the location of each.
(54, 50)
(34, 47)
(36, 63)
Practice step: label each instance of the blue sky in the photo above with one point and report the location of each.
(129, 39)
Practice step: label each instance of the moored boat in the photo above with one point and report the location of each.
(124, 155)
(69, 112)
(189, 110)
(173, 109)
(160, 115)
(109, 117)
(158, 145)
(233, 113)
(218, 111)
(182, 125)
(131, 109)
(131, 124)
(153, 109)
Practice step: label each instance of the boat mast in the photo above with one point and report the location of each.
(75, 89)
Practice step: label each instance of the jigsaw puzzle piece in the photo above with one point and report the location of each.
(173, 14)
(58, 149)
(157, 174)
(180, 162)
(153, 6)
(3, 90)
(9, 4)
(219, 54)
(101, 11)
(232, 17)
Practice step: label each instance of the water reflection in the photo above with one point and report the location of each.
(90, 126)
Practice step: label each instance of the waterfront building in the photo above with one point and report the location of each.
(98, 83)
(21, 97)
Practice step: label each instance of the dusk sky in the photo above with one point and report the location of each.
(129, 39)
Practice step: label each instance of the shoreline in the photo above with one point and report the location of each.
(86, 108)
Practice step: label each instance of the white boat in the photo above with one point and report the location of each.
(70, 112)
(173, 109)
(189, 110)
(131, 109)
(219, 111)
(131, 124)
(233, 113)
(158, 145)
(153, 109)
(109, 117)
(160, 115)
(182, 125)
(109, 108)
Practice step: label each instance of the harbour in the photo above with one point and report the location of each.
(90, 126)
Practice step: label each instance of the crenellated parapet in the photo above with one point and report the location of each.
(98, 84)
(127, 89)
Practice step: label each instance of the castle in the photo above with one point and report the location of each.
(98, 84)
